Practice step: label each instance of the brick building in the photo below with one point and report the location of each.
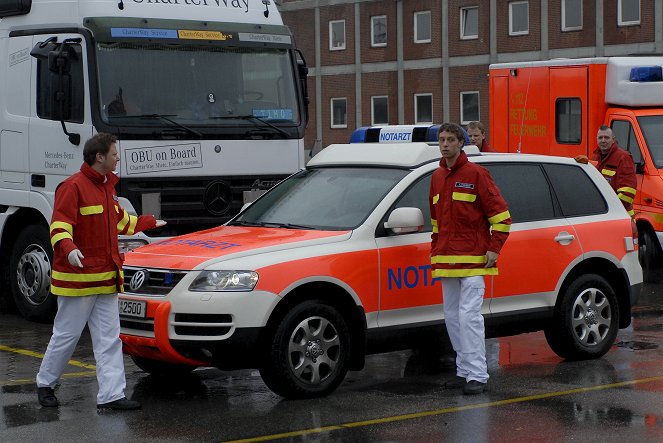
(426, 61)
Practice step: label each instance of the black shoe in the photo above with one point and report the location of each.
(122, 404)
(454, 383)
(47, 397)
(473, 387)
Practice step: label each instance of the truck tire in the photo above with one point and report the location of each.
(650, 254)
(586, 319)
(160, 368)
(30, 274)
(309, 353)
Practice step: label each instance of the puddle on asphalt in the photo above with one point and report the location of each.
(636, 345)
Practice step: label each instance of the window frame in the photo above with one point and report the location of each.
(416, 108)
(566, 28)
(620, 8)
(331, 36)
(373, 22)
(386, 98)
(416, 27)
(463, 120)
(511, 31)
(334, 125)
(463, 13)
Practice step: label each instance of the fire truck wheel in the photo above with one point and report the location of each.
(309, 352)
(161, 368)
(586, 319)
(30, 274)
(650, 253)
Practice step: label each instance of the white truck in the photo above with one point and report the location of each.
(208, 100)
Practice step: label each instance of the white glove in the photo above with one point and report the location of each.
(160, 223)
(75, 257)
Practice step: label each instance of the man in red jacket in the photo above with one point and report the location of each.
(87, 273)
(471, 222)
(477, 133)
(617, 167)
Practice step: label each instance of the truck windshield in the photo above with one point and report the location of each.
(325, 198)
(202, 86)
(652, 129)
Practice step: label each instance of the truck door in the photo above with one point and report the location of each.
(53, 157)
(568, 109)
(623, 130)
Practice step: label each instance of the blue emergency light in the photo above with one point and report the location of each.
(646, 74)
(398, 134)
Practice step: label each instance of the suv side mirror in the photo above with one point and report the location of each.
(405, 220)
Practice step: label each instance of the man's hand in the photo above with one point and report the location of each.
(160, 223)
(491, 259)
(581, 159)
(75, 257)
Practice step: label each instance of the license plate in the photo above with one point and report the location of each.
(132, 308)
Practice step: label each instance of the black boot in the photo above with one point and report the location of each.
(47, 397)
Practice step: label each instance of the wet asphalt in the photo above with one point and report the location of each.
(532, 396)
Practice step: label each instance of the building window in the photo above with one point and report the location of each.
(628, 12)
(571, 15)
(518, 18)
(380, 110)
(568, 120)
(379, 31)
(339, 112)
(422, 27)
(469, 107)
(423, 108)
(469, 23)
(337, 35)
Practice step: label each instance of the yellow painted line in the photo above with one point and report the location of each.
(434, 412)
(38, 355)
(24, 381)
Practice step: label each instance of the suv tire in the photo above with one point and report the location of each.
(586, 319)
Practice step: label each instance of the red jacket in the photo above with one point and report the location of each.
(617, 167)
(485, 147)
(87, 217)
(465, 203)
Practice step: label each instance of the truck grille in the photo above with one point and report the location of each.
(192, 204)
(150, 282)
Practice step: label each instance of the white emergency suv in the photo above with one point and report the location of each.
(333, 264)
(207, 98)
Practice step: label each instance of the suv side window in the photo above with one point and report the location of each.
(417, 197)
(526, 190)
(576, 192)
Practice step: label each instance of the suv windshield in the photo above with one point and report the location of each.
(326, 198)
(191, 85)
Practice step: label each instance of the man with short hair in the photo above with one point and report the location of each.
(616, 165)
(87, 273)
(477, 133)
(471, 222)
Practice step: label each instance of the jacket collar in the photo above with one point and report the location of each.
(98, 178)
(460, 161)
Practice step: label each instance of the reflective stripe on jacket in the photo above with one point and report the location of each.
(88, 217)
(469, 218)
(617, 167)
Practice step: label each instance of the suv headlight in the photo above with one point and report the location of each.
(225, 281)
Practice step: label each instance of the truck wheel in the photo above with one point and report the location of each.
(586, 319)
(309, 353)
(30, 274)
(650, 254)
(161, 368)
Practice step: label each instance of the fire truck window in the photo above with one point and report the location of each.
(568, 120)
(525, 189)
(417, 197)
(576, 192)
(625, 136)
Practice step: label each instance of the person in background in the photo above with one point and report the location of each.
(471, 222)
(87, 273)
(477, 133)
(616, 165)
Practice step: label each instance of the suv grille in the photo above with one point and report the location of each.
(150, 282)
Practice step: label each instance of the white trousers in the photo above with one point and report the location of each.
(463, 297)
(101, 314)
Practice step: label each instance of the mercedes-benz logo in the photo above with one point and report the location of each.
(217, 198)
(139, 279)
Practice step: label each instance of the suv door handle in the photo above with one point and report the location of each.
(564, 238)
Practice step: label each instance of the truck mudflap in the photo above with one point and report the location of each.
(159, 347)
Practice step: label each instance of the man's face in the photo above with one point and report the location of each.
(110, 160)
(450, 145)
(604, 140)
(476, 136)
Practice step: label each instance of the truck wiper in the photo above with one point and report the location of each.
(245, 223)
(166, 118)
(254, 118)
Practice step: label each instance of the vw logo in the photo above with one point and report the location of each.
(217, 198)
(139, 279)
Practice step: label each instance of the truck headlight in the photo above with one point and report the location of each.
(225, 281)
